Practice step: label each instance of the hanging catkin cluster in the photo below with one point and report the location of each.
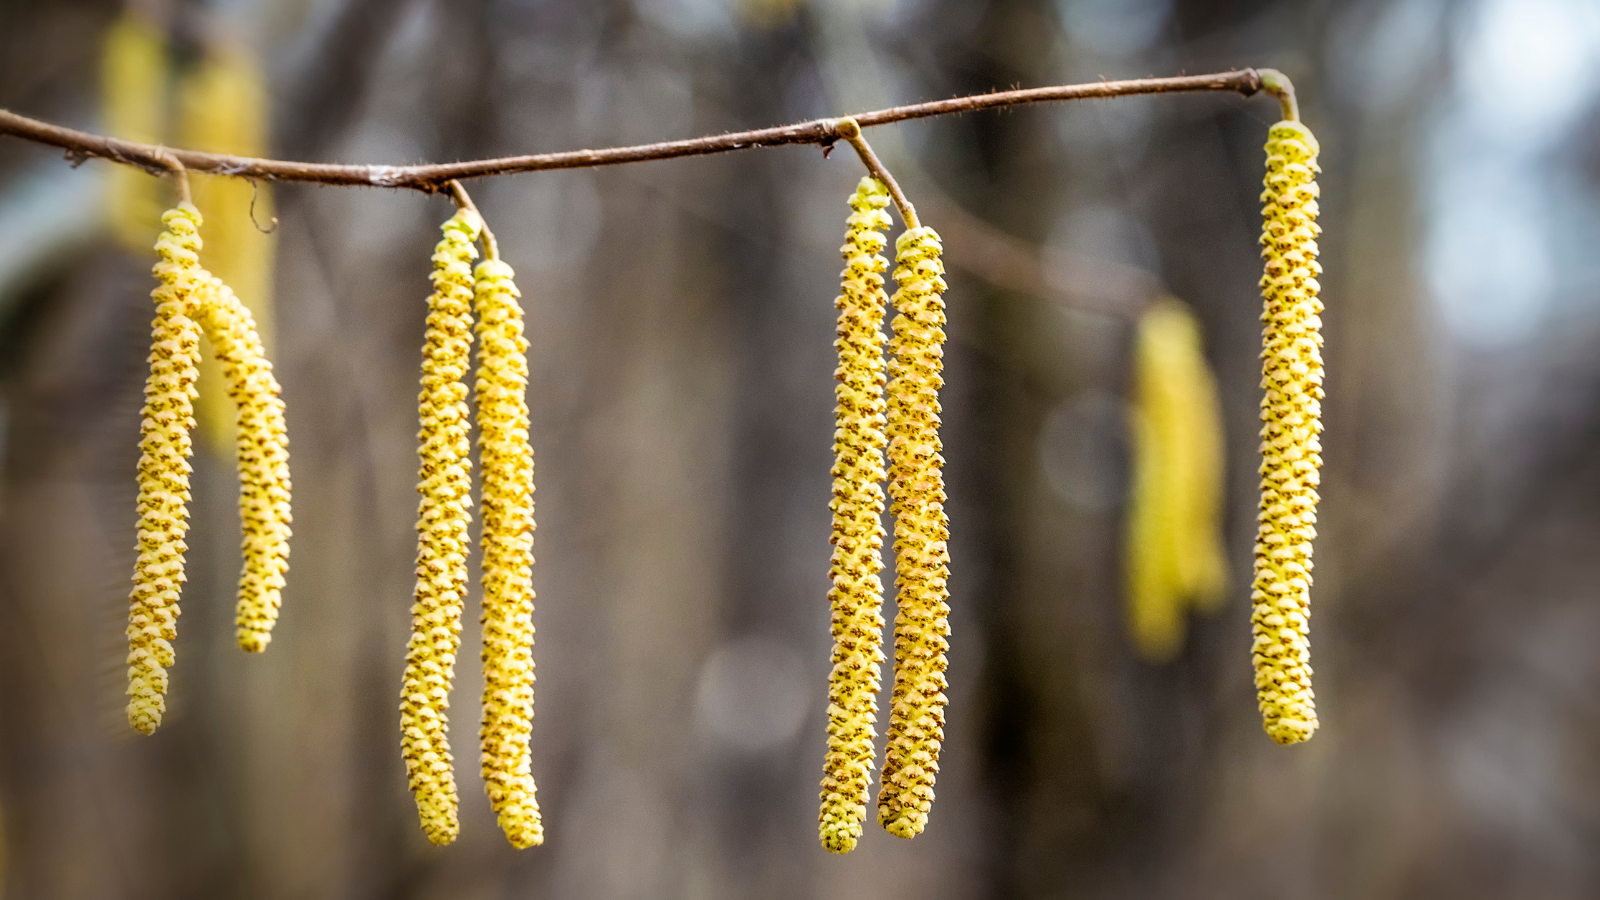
(164, 468)
(506, 457)
(1174, 552)
(446, 487)
(261, 441)
(188, 299)
(922, 558)
(858, 473)
(1290, 410)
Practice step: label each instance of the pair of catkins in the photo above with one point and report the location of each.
(445, 482)
(190, 300)
(891, 438)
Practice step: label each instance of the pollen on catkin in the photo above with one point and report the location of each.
(164, 468)
(261, 442)
(506, 463)
(858, 500)
(1174, 557)
(1291, 408)
(446, 487)
(922, 557)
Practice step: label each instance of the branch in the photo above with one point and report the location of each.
(430, 179)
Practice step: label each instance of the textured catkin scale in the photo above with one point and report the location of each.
(1174, 553)
(164, 468)
(922, 558)
(858, 471)
(261, 442)
(506, 461)
(446, 487)
(1291, 408)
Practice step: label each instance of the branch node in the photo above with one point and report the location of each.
(849, 129)
(180, 175)
(1278, 85)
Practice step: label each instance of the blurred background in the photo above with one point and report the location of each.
(681, 323)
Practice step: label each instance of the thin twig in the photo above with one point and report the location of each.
(434, 178)
(851, 131)
(491, 248)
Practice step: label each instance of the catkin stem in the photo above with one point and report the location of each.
(848, 129)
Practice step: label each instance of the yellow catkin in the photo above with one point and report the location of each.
(506, 461)
(133, 91)
(446, 487)
(1290, 448)
(222, 108)
(858, 472)
(922, 557)
(164, 468)
(1174, 552)
(262, 447)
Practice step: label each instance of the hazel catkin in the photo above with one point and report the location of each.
(922, 558)
(1174, 557)
(446, 488)
(506, 463)
(261, 442)
(858, 471)
(1291, 409)
(164, 468)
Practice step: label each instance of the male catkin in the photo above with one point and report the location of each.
(1174, 550)
(262, 445)
(922, 557)
(446, 487)
(164, 468)
(506, 461)
(1291, 407)
(858, 471)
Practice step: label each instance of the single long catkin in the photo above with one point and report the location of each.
(506, 461)
(261, 440)
(858, 471)
(1174, 552)
(446, 487)
(164, 468)
(1291, 408)
(922, 557)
